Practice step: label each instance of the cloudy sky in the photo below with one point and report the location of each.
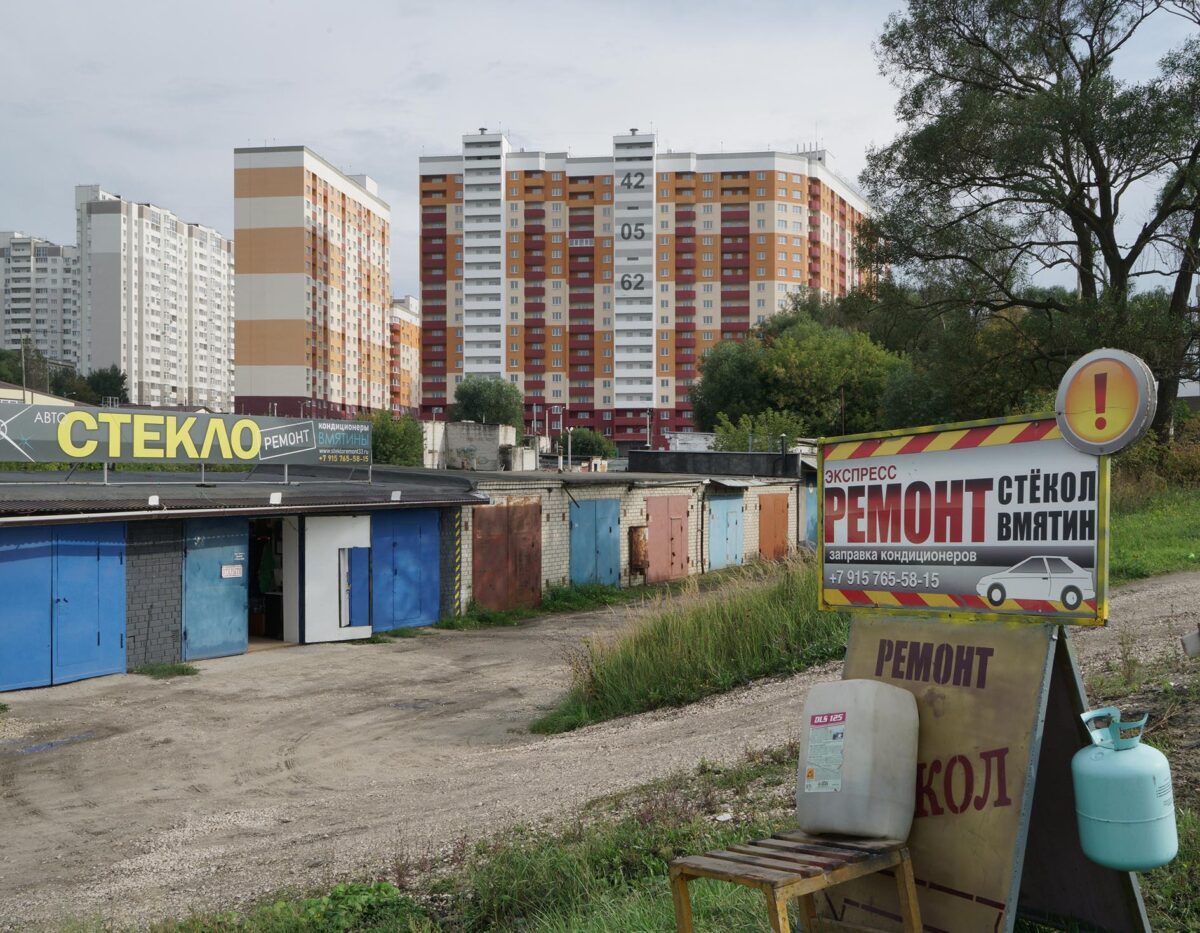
(149, 99)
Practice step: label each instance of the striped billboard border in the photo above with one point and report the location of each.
(851, 599)
(1021, 432)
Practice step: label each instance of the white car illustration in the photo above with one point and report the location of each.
(1042, 577)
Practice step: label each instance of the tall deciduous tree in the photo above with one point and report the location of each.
(399, 441)
(109, 383)
(488, 400)
(1022, 151)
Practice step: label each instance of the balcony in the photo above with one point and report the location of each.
(535, 385)
(437, 215)
(685, 262)
(728, 326)
(739, 214)
(534, 213)
(432, 246)
(685, 342)
(535, 367)
(535, 229)
(685, 294)
(582, 264)
(581, 220)
(681, 216)
(682, 325)
(535, 291)
(535, 275)
(740, 262)
(583, 278)
(574, 251)
(535, 307)
(737, 229)
(685, 231)
(534, 320)
(685, 247)
(582, 342)
(685, 278)
(734, 278)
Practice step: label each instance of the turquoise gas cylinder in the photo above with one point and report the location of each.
(1123, 799)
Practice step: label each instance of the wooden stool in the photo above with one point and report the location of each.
(793, 864)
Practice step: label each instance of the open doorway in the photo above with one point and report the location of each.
(266, 583)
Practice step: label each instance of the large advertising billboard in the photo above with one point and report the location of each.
(987, 520)
(49, 434)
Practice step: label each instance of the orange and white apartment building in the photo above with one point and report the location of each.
(313, 279)
(596, 284)
(406, 355)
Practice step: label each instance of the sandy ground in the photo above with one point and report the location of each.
(126, 799)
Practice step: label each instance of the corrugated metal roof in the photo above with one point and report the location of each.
(50, 494)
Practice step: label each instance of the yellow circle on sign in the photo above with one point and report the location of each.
(1102, 399)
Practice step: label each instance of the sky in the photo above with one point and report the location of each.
(149, 99)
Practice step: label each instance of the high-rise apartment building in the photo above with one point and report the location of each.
(406, 354)
(313, 286)
(39, 296)
(598, 283)
(156, 300)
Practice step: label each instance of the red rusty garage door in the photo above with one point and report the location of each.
(773, 526)
(667, 530)
(506, 551)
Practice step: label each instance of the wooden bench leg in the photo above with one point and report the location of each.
(906, 884)
(808, 913)
(777, 912)
(683, 903)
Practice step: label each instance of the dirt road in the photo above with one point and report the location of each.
(128, 799)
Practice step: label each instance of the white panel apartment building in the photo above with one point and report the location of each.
(39, 296)
(597, 284)
(156, 300)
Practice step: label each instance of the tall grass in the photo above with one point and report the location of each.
(766, 622)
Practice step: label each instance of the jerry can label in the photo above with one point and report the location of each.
(823, 763)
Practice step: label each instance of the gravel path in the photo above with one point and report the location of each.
(127, 800)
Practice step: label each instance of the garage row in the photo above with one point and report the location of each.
(88, 595)
(620, 530)
(95, 598)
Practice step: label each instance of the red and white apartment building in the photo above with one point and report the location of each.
(597, 284)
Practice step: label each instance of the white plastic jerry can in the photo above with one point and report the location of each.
(858, 760)
(1124, 804)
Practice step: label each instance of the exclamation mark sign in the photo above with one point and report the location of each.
(1101, 399)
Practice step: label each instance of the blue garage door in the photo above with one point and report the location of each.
(89, 601)
(724, 532)
(26, 570)
(215, 619)
(405, 568)
(596, 542)
(64, 604)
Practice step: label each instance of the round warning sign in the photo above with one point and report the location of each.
(1106, 401)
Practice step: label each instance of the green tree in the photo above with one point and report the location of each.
(399, 441)
(587, 443)
(832, 377)
(69, 384)
(109, 383)
(762, 430)
(489, 401)
(1023, 152)
(729, 383)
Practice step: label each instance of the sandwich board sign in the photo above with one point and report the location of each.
(1002, 525)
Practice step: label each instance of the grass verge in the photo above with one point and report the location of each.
(165, 671)
(765, 623)
(606, 872)
(1154, 533)
(575, 598)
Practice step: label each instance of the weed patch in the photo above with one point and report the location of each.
(766, 623)
(4, 707)
(165, 671)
